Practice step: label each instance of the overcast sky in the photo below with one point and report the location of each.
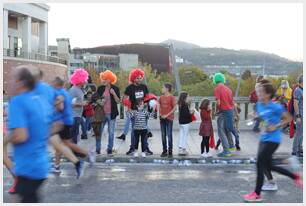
(270, 27)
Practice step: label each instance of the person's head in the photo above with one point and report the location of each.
(219, 78)
(58, 82)
(89, 96)
(24, 78)
(300, 80)
(167, 87)
(259, 78)
(205, 105)
(183, 99)
(136, 76)
(79, 77)
(140, 104)
(266, 91)
(284, 84)
(108, 77)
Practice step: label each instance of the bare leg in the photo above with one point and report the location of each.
(55, 141)
(74, 147)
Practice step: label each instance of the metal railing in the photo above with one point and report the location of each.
(242, 102)
(33, 56)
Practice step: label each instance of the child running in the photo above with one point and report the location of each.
(274, 116)
(206, 128)
(141, 127)
(185, 118)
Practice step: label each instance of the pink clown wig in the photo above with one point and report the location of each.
(135, 73)
(79, 76)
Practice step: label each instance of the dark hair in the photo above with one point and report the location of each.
(269, 89)
(265, 81)
(59, 81)
(300, 79)
(27, 78)
(259, 78)
(204, 104)
(168, 86)
(182, 98)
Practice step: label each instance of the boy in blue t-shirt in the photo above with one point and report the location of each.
(27, 113)
(274, 116)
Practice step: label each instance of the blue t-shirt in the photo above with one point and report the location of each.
(48, 92)
(270, 113)
(298, 95)
(66, 115)
(31, 158)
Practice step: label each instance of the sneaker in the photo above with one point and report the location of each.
(91, 157)
(135, 153)
(12, 190)
(80, 168)
(204, 155)
(109, 152)
(149, 152)
(208, 154)
(56, 169)
(143, 154)
(238, 148)
(149, 134)
(216, 148)
(225, 154)
(298, 180)
(170, 154)
(84, 136)
(185, 152)
(252, 197)
(98, 152)
(164, 154)
(232, 149)
(269, 186)
(130, 152)
(122, 137)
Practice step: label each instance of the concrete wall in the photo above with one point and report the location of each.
(50, 70)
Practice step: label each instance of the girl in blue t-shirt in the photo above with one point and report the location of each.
(275, 117)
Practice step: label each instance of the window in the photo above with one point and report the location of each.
(13, 22)
(35, 28)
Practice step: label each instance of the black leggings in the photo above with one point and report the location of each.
(265, 166)
(143, 135)
(28, 189)
(205, 143)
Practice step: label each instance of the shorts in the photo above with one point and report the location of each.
(28, 188)
(65, 133)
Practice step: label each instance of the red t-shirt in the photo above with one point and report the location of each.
(167, 103)
(88, 110)
(224, 94)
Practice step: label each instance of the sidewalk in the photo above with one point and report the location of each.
(248, 142)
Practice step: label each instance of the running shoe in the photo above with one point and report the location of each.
(143, 154)
(208, 154)
(130, 152)
(80, 169)
(232, 149)
(12, 190)
(225, 154)
(204, 155)
(298, 180)
(122, 137)
(269, 186)
(252, 197)
(56, 169)
(164, 154)
(135, 154)
(149, 152)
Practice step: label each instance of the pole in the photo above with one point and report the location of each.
(239, 81)
(175, 69)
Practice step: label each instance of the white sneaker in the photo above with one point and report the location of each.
(135, 154)
(204, 155)
(92, 157)
(208, 154)
(143, 154)
(269, 187)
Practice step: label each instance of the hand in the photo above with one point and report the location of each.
(163, 116)
(298, 120)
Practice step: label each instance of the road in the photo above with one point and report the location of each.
(135, 183)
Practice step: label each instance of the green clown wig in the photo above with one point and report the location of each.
(219, 78)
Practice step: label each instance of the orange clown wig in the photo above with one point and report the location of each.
(135, 73)
(108, 75)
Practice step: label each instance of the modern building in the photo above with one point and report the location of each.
(128, 61)
(25, 41)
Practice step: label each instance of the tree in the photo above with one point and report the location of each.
(191, 75)
(246, 75)
(95, 77)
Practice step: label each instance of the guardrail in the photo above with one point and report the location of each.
(242, 102)
(33, 56)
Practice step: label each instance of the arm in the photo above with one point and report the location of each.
(19, 135)
(116, 95)
(6, 160)
(296, 110)
(286, 118)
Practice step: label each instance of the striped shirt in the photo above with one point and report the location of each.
(141, 118)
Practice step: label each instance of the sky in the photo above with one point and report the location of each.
(270, 27)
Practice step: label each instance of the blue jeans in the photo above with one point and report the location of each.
(77, 121)
(166, 130)
(88, 123)
(111, 133)
(133, 140)
(83, 126)
(229, 124)
(127, 125)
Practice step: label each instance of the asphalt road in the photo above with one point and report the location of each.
(134, 183)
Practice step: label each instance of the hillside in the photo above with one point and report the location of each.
(181, 44)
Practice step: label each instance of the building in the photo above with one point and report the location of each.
(128, 61)
(25, 41)
(101, 62)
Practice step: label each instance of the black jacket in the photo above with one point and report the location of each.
(184, 115)
(114, 108)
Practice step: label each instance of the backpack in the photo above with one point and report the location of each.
(253, 97)
(99, 115)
